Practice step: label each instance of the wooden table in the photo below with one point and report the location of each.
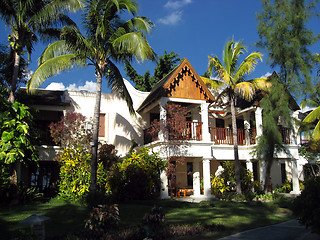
(184, 190)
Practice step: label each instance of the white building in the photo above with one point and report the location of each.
(208, 130)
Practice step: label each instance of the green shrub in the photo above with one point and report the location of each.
(306, 207)
(75, 174)
(224, 184)
(136, 177)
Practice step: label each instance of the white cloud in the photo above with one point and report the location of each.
(56, 86)
(172, 18)
(266, 75)
(88, 86)
(177, 4)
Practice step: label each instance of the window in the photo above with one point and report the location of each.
(283, 172)
(102, 120)
(190, 174)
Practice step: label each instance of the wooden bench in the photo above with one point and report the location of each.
(184, 190)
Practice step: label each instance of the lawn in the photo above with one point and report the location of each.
(67, 217)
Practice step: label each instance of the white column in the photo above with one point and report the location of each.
(258, 115)
(246, 122)
(196, 179)
(295, 178)
(163, 119)
(262, 171)
(205, 122)
(206, 178)
(249, 165)
(164, 194)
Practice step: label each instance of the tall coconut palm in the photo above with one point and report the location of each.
(109, 40)
(231, 76)
(30, 20)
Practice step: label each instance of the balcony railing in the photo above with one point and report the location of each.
(285, 133)
(185, 130)
(224, 136)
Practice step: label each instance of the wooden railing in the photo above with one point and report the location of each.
(224, 136)
(185, 130)
(285, 133)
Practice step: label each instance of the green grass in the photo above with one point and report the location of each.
(67, 217)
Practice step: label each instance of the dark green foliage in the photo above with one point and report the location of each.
(307, 206)
(103, 219)
(276, 113)
(17, 142)
(284, 34)
(155, 221)
(6, 68)
(224, 184)
(166, 63)
(137, 176)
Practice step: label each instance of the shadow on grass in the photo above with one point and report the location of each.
(65, 217)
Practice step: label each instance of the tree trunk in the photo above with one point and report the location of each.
(94, 150)
(267, 182)
(235, 145)
(17, 56)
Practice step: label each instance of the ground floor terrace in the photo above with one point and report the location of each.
(193, 177)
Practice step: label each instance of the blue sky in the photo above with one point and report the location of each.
(192, 28)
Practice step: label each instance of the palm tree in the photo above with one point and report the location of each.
(30, 20)
(231, 78)
(313, 101)
(109, 40)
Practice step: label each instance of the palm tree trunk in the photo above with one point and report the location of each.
(94, 150)
(14, 79)
(235, 145)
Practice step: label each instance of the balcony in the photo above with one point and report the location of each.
(185, 130)
(224, 136)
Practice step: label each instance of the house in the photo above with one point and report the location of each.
(207, 138)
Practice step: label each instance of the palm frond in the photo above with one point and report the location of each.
(261, 83)
(134, 44)
(312, 116)
(53, 50)
(212, 83)
(53, 67)
(316, 132)
(115, 81)
(216, 67)
(248, 64)
(245, 90)
(76, 42)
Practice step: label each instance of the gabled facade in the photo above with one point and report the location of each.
(207, 136)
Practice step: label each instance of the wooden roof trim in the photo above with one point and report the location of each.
(195, 77)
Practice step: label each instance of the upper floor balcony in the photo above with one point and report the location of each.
(192, 131)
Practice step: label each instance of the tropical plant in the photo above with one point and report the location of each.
(109, 40)
(230, 73)
(137, 176)
(313, 117)
(17, 140)
(284, 34)
(275, 115)
(306, 207)
(165, 64)
(30, 20)
(74, 174)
